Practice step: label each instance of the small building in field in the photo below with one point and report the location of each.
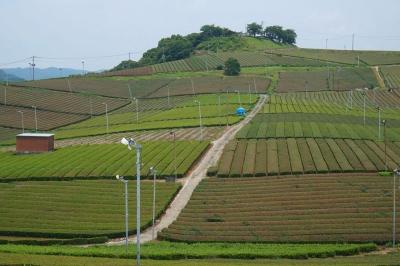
(34, 142)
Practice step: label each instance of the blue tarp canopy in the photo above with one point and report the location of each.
(241, 111)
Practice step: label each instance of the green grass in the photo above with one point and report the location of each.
(100, 161)
(71, 209)
(51, 260)
(173, 251)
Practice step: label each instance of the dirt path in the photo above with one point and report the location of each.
(191, 182)
(381, 82)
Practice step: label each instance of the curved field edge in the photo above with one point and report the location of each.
(175, 251)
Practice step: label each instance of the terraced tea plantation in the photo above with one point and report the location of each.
(292, 209)
(285, 156)
(319, 125)
(345, 57)
(211, 84)
(110, 87)
(101, 161)
(56, 101)
(330, 79)
(72, 209)
(163, 113)
(391, 76)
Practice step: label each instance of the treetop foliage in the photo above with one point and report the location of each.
(273, 33)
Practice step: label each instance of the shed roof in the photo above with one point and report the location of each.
(38, 135)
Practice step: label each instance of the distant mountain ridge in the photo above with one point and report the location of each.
(41, 73)
(4, 77)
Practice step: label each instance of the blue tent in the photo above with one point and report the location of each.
(240, 111)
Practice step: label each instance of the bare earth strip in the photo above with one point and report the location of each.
(191, 182)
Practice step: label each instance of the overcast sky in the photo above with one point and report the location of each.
(71, 30)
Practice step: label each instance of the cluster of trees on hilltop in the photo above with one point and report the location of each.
(273, 33)
(178, 47)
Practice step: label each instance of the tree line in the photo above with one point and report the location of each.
(273, 33)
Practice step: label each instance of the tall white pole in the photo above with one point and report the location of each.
(219, 108)
(154, 204)
(306, 87)
(191, 81)
(126, 216)
(106, 116)
(249, 94)
(34, 107)
(169, 103)
(90, 106)
(174, 142)
(5, 96)
(130, 92)
(83, 68)
(138, 148)
(255, 85)
(137, 111)
(364, 94)
(240, 102)
(379, 123)
(201, 126)
(69, 85)
(326, 43)
(22, 121)
(395, 173)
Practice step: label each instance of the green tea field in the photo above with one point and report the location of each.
(322, 208)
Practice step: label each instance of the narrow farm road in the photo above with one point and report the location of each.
(194, 178)
(381, 82)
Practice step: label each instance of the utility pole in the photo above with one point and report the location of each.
(326, 43)
(33, 67)
(83, 67)
(5, 96)
(129, 56)
(352, 42)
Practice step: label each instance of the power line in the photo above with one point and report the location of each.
(17, 61)
(88, 57)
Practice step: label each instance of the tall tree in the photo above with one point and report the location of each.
(254, 29)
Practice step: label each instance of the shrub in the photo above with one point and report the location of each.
(232, 67)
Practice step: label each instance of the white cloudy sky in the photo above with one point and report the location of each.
(71, 30)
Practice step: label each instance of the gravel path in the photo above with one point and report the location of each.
(191, 182)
